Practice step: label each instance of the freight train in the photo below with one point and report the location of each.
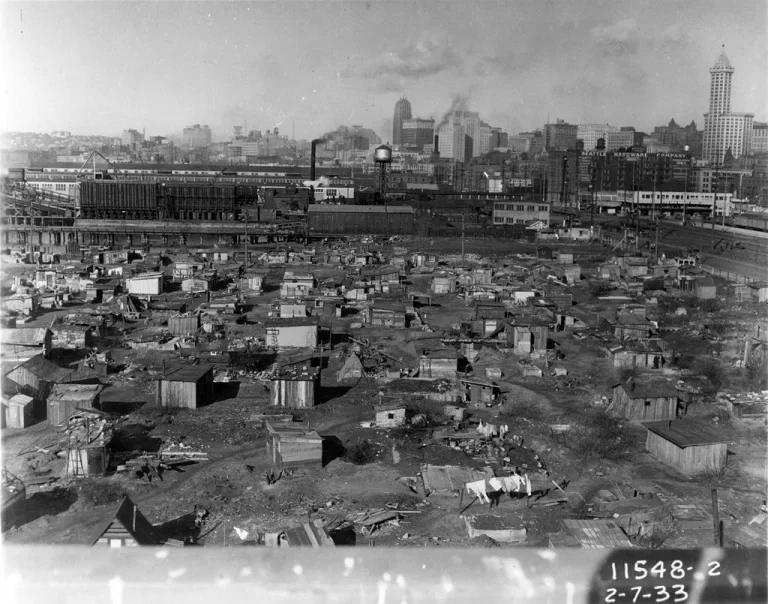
(753, 221)
(120, 200)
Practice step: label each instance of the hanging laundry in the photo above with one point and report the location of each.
(477, 489)
(495, 484)
(512, 484)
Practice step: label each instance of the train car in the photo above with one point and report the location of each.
(361, 220)
(752, 220)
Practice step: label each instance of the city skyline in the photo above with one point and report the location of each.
(170, 65)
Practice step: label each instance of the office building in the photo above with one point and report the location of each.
(418, 132)
(560, 136)
(759, 138)
(589, 134)
(723, 129)
(132, 138)
(483, 143)
(450, 140)
(402, 113)
(521, 212)
(196, 137)
(499, 138)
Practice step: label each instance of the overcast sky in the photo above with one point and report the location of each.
(98, 68)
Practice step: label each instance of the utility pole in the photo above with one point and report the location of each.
(462, 238)
(687, 176)
(653, 195)
(245, 239)
(715, 184)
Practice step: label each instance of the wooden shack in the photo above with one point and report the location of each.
(389, 416)
(490, 310)
(645, 354)
(184, 325)
(145, 284)
(704, 288)
(65, 399)
(565, 255)
(386, 313)
(477, 390)
(292, 333)
(251, 284)
(295, 386)
(290, 309)
(126, 527)
(26, 342)
(72, 337)
(18, 411)
(645, 399)
(443, 284)
(687, 445)
(190, 386)
(200, 283)
(439, 363)
(293, 446)
(36, 376)
(759, 291)
(628, 327)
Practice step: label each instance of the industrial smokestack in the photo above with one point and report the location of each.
(313, 158)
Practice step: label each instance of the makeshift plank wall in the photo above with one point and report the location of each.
(664, 450)
(177, 394)
(703, 458)
(292, 393)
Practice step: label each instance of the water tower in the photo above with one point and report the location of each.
(382, 156)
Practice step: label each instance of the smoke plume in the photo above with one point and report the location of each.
(460, 102)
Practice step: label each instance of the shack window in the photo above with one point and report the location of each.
(648, 403)
(390, 416)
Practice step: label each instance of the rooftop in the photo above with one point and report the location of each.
(294, 322)
(189, 373)
(653, 387)
(352, 209)
(75, 392)
(686, 433)
(43, 368)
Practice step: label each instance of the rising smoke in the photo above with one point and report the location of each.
(460, 102)
(320, 182)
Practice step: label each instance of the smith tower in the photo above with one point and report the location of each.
(724, 130)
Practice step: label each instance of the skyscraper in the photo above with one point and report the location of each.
(418, 132)
(723, 129)
(402, 112)
(196, 137)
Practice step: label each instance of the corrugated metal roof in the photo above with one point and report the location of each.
(353, 209)
(686, 432)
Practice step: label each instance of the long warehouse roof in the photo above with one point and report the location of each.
(353, 209)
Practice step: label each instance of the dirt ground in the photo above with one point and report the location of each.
(232, 484)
